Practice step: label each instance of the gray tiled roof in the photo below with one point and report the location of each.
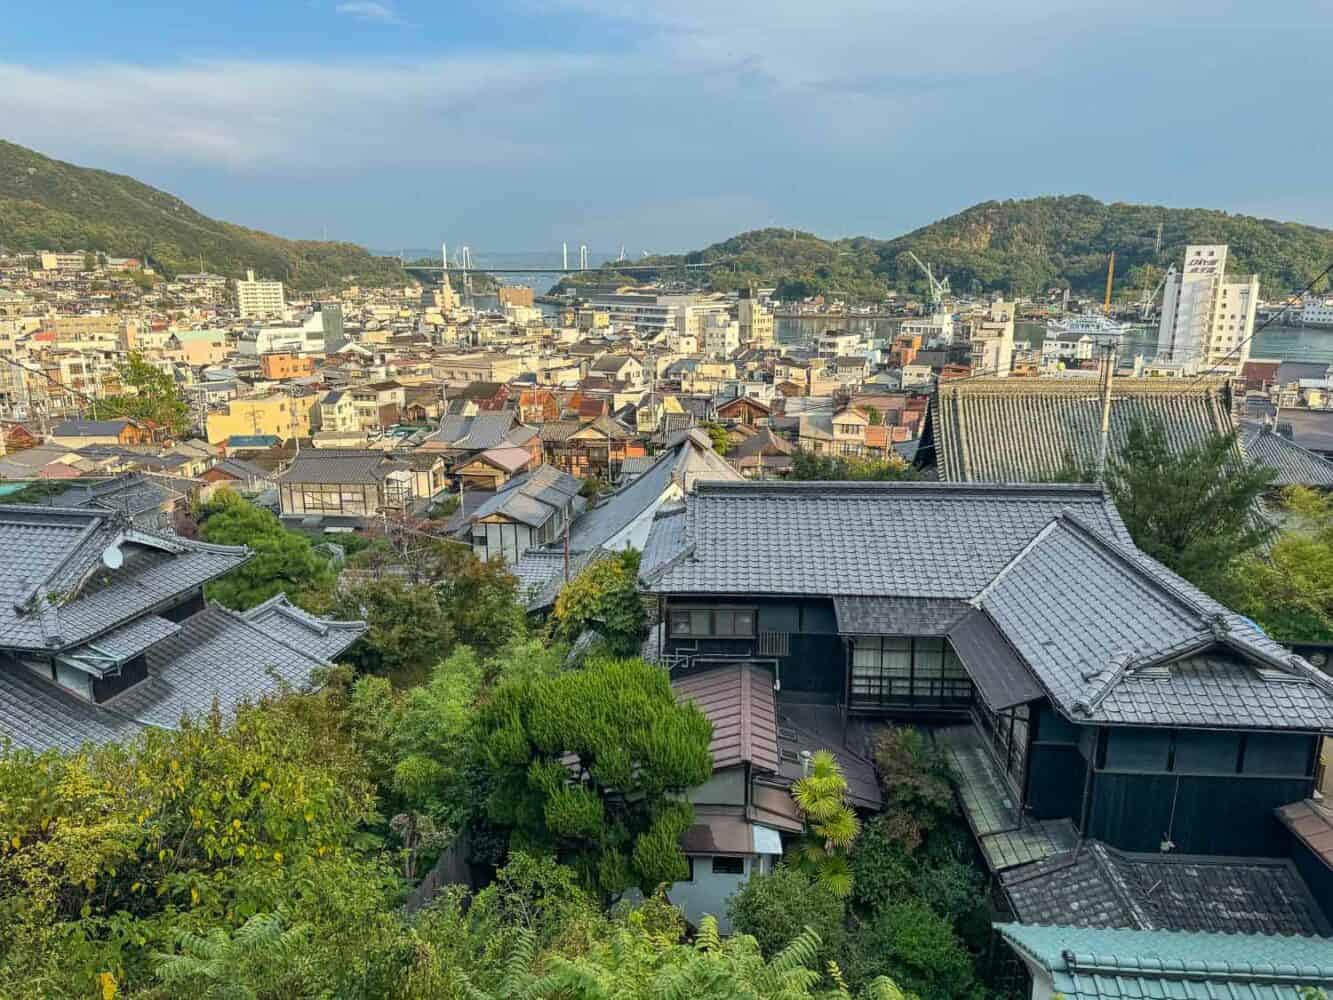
(475, 433)
(898, 615)
(90, 428)
(130, 639)
(1098, 886)
(220, 655)
(1293, 465)
(215, 655)
(324, 637)
(836, 539)
(541, 573)
(1011, 430)
(1112, 643)
(133, 493)
(687, 461)
(55, 591)
(532, 498)
(339, 465)
(1109, 635)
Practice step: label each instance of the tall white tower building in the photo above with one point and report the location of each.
(259, 298)
(1207, 320)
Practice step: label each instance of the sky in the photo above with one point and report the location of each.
(665, 125)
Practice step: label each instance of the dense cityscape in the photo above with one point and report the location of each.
(932, 601)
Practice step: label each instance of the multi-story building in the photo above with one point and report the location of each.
(277, 414)
(55, 260)
(722, 335)
(257, 297)
(934, 330)
(283, 365)
(1207, 321)
(309, 336)
(993, 340)
(756, 322)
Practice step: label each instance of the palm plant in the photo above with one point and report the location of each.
(831, 825)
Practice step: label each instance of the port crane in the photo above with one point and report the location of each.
(938, 289)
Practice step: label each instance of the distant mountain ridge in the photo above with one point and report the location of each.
(1016, 247)
(49, 204)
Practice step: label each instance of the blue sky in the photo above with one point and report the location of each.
(515, 124)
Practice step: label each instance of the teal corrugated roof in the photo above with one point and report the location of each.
(1089, 963)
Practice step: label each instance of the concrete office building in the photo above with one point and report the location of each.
(255, 297)
(1207, 320)
(756, 322)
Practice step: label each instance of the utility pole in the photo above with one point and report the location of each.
(1107, 376)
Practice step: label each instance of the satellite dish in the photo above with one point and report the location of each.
(112, 557)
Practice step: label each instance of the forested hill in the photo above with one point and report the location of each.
(1019, 247)
(49, 205)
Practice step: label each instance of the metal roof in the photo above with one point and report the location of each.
(739, 701)
(997, 672)
(1092, 963)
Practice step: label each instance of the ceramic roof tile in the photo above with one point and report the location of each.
(1098, 886)
(1293, 465)
(836, 539)
(1010, 430)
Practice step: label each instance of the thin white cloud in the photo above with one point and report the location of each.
(370, 10)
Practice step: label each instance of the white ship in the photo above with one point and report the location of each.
(1092, 325)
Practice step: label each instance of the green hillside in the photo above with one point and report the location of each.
(47, 204)
(1018, 247)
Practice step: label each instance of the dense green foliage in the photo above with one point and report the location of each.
(1192, 509)
(46, 204)
(808, 465)
(1289, 589)
(155, 399)
(1017, 247)
(830, 824)
(775, 907)
(615, 727)
(913, 945)
(284, 561)
(605, 597)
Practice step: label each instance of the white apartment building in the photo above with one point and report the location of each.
(307, 337)
(934, 330)
(256, 297)
(652, 314)
(722, 336)
(1206, 320)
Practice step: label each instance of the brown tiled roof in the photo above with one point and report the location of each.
(1312, 826)
(738, 700)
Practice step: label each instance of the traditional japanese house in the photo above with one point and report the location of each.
(1083, 691)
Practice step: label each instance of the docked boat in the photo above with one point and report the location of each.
(1094, 325)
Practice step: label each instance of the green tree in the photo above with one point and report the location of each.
(718, 435)
(1193, 509)
(807, 465)
(154, 400)
(774, 908)
(830, 822)
(112, 852)
(914, 946)
(874, 417)
(886, 872)
(408, 628)
(284, 562)
(590, 763)
(918, 793)
(1289, 589)
(605, 597)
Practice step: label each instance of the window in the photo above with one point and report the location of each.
(728, 866)
(900, 669)
(727, 623)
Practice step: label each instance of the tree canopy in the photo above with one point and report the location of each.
(590, 762)
(284, 562)
(154, 399)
